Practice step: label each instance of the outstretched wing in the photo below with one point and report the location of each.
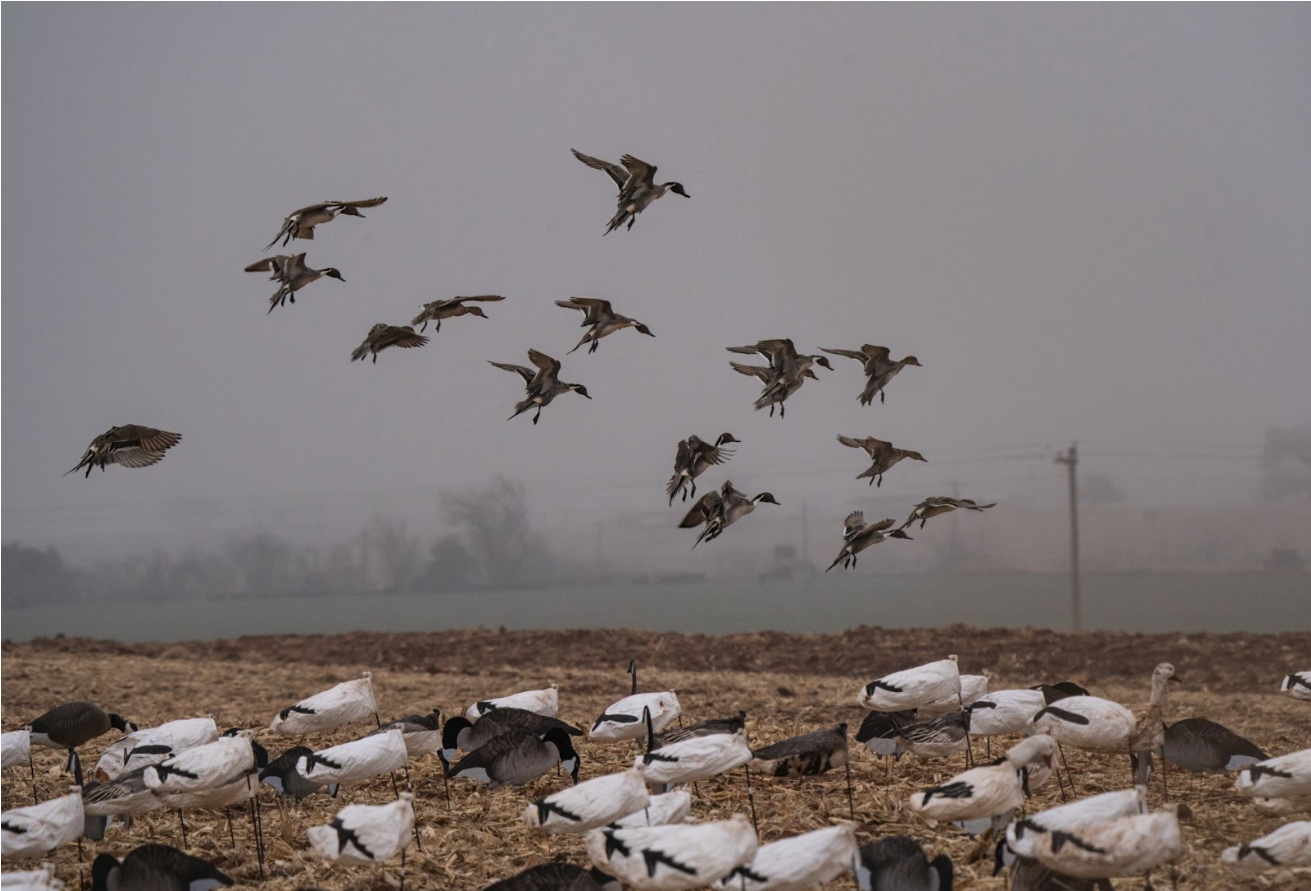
(705, 508)
(405, 337)
(526, 373)
(850, 354)
(639, 170)
(544, 362)
(616, 173)
(368, 202)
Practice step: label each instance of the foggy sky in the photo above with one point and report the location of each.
(1088, 223)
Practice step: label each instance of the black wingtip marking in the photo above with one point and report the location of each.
(1061, 713)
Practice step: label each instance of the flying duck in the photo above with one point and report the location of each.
(292, 274)
(301, 223)
(602, 319)
(449, 309)
(884, 455)
(382, 336)
(718, 510)
(858, 535)
(637, 186)
(542, 385)
(941, 504)
(693, 458)
(879, 368)
(130, 445)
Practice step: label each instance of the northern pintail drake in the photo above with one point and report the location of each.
(884, 455)
(301, 223)
(602, 319)
(437, 310)
(858, 535)
(382, 336)
(157, 868)
(941, 504)
(879, 368)
(292, 274)
(542, 385)
(718, 510)
(517, 757)
(637, 186)
(130, 445)
(694, 457)
(787, 371)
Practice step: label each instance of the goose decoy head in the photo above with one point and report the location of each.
(261, 755)
(579, 389)
(330, 272)
(103, 867)
(118, 722)
(568, 756)
(645, 330)
(451, 733)
(677, 189)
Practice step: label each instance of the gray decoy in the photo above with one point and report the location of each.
(556, 876)
(155, 868)
(807, 755)
(292, 274)
(130, 445)
(382, 336)
(709, 727)
(898, 863)
(300, 223)
(461, 734)
(693, 458)
(437, 310)
(884, 455)
(637, 186)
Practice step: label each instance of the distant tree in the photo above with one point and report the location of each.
(267, 566)
(1286, 463)
(451, 567)
(1099, 488)
(36, 575)
(392, 553)
(496, 534)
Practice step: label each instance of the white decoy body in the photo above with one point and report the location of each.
(898, 863)
(623, 719)
(596, 802)
(1288, 776)
(1287, 846)
(663, 810)
(698, 758)
(972, 688)
(1087, 722)
(366, 833)
(231, 792)
(1005, 712)
(1022, 836)
(204, 767)
(1283, 807)
(797, 862)
(912, 687)
(38, 829)
(1123, 846)
(543, 702)
(340, 705)
(422, 733)
(16, 746)
(355, 761)
(1297, 685)
(673, 858)
(518, 757)
(42, 879)
(151, 745)
(989, 792)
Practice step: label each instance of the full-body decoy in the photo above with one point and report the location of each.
(74, 724)
(155, 868)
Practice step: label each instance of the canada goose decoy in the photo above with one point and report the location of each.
(590, 804)
(1122, 846)
(858, 535)
(542, 385)
(637, 186)
(1287, 776)
(941, 504)
(718, 510)
(990, 793)
(797, 862)
(708, 727)
(155, 868)
(911, 687)
(468, 736)
(1149, 723)
(884, 455)
(422, 733)
(603, 320)
(128, 446)
(281, 775)
(293, 275)
(329, 709)
(517, 757)
(543, 702)
(898, 863)
(40, 828)
(301, 223)
(1286, 847)
(556, 876)
(1297, 685)
(382, 336)
(676, 857)
(693, 458)
(151, 745)
(366, 833)
(449, 309)
(73, 724)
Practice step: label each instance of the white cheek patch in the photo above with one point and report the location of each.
(476, 773)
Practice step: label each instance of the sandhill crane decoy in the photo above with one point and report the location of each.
(858, 535)
(990, 793)
(382, 336)
(124, 796)
(1287, 846)
(281, 775)
(1060, 690)
(898, 863)
(517, 757)
(465, 735)
(543, 702)
(798, 862)
(1149, 724)
(556, 876)
(637, 186)
(365, 833)
(73, 724)
(151, 745)
(624, 719)
(937, 737)
(300, 223)
(422, 733)
(130, 445)
(40, 828)
(693, 458)
(542, 385)
(437, 310)
(884, 455)
(1297, 685)
(911, 687)
(602, 319)
(1287, 776)
(708, 727)
(335, 707)
(718, 510)
(673, 858)
(157, 868)
(669, 808)
(809, 754)
(1122, 846)
(292, 274)
(879, 732)
(941, 504)
(356, 761)
(595, 802)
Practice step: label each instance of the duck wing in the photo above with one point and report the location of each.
(638, 170)
(615, 172)
(707, 506)
(526, 373)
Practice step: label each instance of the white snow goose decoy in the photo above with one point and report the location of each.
(1283, 807)
(798, 862)
(972, 688)
(336, 707)
(355, 761)
(556, 876)
(596, 802)
(1297, 685)
(517, 757)
(543, 702)
(42, 879)
(1005, 712)
(694, 759)
(985, 795)
(461, 735)
(663, 810)
(1287, 846)
(1087, 722)
(155, 867)
(673, 858)
(204, 767)
(1288, 776)
(38, 829)
(365, 833)
(1022, 836)
(422, 733)
(623, 720)
(1123, 846)
(151, 745)
(912, 687)
(898, 863)
(15, 747)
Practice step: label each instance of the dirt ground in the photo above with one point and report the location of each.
(788, 684)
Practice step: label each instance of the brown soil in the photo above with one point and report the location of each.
(788, 684)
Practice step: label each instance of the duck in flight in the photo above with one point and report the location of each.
(300, 223)
(637, 186)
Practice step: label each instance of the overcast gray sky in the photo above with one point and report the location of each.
(1088, 223)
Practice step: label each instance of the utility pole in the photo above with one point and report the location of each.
(1071, 460)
